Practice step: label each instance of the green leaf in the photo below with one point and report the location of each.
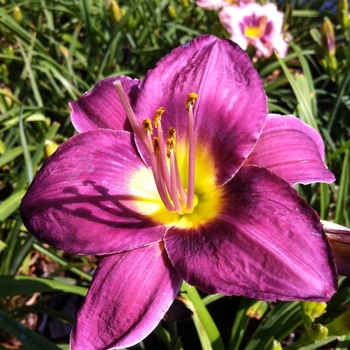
(29, 339)
(20, 285)
(299, 85)
(206, 328)
(343, 190)
(10, 204)
(12, 154)
(240, 324)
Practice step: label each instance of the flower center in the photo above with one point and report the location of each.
(162, 152)
(257, 30)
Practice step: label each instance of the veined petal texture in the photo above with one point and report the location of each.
(231, 107)
(81, 200)
(267, 243)
(129, 295)
(101, 108)
(291, 149)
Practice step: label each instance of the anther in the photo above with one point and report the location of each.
(158, 116)
(191, 99)
(172, 133)
(147, 126)
(170, 146)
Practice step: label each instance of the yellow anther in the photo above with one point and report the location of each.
(158, 116)
(170, 146)
(191, 99)
(172, 133)
(147, 126)
(156, 145)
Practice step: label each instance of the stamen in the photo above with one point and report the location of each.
(176, 185)
(168, 183)
(174, 193)
(156, 147)
(172, 133)
(191, 99)
(183, 195)
(158, 116)
(147, 126)
(161, 160)
(170, 145)
(129, 112)
(157, 175)
(191, 152)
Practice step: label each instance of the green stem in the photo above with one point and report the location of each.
(209, 327)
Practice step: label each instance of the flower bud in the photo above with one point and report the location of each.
(172, 12)
(257, 310)
(185, 3)
(115, 11)
(49, 148)
(343, 13)
(3, 70)
(327, 37)
(2, 151)
(339, 239)
(9, 52)
(313, 309)
(17, 14)
(318, 331)
(276, 345)
(131, 23)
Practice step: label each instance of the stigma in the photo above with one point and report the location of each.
(176, 196)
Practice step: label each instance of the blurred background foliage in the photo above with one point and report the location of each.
(51, 52)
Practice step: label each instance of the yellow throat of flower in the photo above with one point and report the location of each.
(258, 31)
(160, 194)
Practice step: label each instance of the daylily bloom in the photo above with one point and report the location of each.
(182, 176)
(255, 24)
(217, 4)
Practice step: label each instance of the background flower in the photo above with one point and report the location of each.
(217, 4)
(255, 24)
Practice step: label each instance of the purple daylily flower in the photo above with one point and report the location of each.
(208, 201)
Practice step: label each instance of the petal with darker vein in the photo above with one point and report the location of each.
(83, 199)
(129, 295)
(231, 108)
(266, 243)
(292, 150)
(101, 108)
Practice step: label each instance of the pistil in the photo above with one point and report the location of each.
(156, 173)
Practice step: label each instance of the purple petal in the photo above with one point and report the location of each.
(231, 107)
(129, 295)
(100, 108)
(83, 200)
(267, 243)
(292, 150)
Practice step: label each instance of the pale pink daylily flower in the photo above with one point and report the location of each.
(260, 26)
(217, 4)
